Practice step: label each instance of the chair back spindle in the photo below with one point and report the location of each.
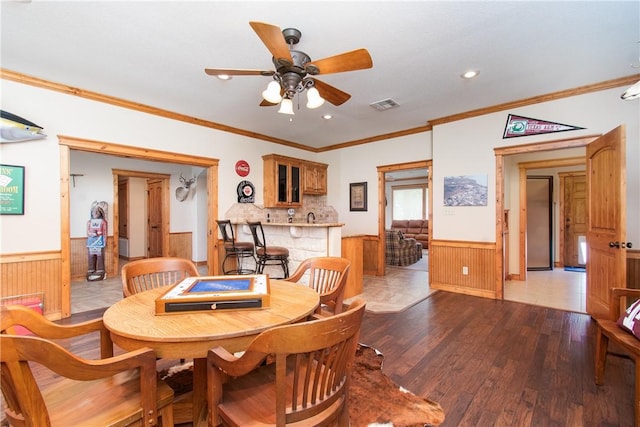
(150, 273)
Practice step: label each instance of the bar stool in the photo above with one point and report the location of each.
(233, 249)
(268, 255)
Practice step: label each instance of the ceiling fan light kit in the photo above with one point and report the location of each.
(314, 100)
(286, 106)
(272, 93)
(294, 70)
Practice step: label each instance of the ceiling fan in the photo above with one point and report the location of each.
(294, 69)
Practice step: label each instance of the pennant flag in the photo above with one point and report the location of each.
(525, 126)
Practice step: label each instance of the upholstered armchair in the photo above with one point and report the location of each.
(400, 250)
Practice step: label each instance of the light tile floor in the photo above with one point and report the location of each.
(565, 290)
(559, 289)
(87, 296)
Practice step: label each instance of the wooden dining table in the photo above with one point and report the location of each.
(133, 324)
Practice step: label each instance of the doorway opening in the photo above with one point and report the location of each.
(513, 164)
(69, 143)
(400, 170)
(143, 222)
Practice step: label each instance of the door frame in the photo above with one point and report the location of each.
(523, 168)
(382, 170)
(549, 217)
(68, 143)
(165, 207)
(500, 153)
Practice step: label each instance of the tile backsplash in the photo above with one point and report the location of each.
(242, 212)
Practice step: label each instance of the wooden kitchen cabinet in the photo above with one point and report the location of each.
(315, 178)
(282, 181)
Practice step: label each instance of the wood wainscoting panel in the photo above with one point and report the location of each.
(370, 255)
(633, 268)
(80, 258)
(451, 259)
(32, 273)
(352, 250)
(180, 245)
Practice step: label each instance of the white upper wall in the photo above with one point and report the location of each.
(60, 114)
(460, 148)
(466, 147)
(359, 164)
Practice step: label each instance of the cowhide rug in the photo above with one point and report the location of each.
(374, 400)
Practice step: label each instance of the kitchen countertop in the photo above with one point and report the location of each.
(304, 224)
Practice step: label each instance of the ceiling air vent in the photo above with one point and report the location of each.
(385, 104)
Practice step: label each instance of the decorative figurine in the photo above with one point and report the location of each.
(97, 241)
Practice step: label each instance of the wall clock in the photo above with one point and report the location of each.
(246, 192)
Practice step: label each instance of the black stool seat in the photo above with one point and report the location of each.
(235, 250)
(268, 255)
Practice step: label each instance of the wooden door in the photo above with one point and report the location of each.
(539, 222)
(575, 218)
(123, 208)
(154, 219)
(606, 219)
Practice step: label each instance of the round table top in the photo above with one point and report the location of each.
(134, 324)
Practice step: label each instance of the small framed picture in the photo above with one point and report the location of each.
(11, 190)
(358, 196)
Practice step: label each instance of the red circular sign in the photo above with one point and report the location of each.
(242, 168)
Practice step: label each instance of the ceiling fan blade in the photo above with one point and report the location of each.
(273, 39)
(229, 72)
(330, 93)
(358, 59)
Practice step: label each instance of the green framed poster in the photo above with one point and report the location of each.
(11, 190)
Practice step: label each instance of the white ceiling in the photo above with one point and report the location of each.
(154, 53)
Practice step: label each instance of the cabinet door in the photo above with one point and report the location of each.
(321, 180)
(296, 191)
(289, 192)
(283, 182)
(315, 179)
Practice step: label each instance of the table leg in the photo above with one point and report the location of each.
(200, 392)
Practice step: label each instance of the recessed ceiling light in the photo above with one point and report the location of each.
(327, 117)
(470, 74)
(224, 77)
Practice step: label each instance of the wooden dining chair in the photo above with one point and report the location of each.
(306, 385)
(328, 276)
(609, 330)
(118, 390)
(150, 273)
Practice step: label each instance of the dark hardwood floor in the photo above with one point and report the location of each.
(494, 363)
(500, 363)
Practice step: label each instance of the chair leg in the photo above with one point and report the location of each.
(343, 420)
(224, 262)
(166, 414)
(602, 344)
(260, 266)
